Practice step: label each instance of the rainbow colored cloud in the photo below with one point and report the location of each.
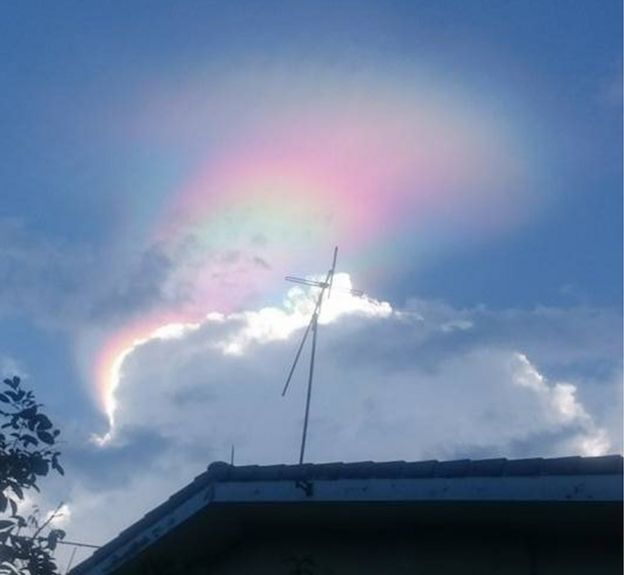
(284, 163)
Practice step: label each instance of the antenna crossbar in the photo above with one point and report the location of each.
(323, 285)
(306, 282)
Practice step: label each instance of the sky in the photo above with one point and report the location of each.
(164, 166)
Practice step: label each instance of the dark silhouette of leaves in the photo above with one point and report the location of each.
(25, 457)
(45, 437)
(43, 422)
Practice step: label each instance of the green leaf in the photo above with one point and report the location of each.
(43, 422)
(29, 412)
(56, 465)
(14, 383)
(40, 466)
(45, 437)
(26, 439)
(52, 541)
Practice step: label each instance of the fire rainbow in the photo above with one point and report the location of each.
(378, 165)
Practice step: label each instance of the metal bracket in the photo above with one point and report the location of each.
(306, 486)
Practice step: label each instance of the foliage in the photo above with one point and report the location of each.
(27, 453)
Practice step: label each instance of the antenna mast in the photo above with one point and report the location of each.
(312, 326)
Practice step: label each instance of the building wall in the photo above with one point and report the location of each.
(440, 553)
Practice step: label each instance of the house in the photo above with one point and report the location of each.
(526, 516)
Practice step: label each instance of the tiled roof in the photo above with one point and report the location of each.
(220, 471)
(610, 464)
(223, 473)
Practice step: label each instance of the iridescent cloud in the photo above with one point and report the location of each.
(390, 165)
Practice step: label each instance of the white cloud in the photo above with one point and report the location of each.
(270, 323)
(423, 382)
(560, 404)
(59, 517)
(389, 385)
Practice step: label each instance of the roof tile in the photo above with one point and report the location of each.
(561, 466)
(523, 466)
(219, 471)
(357, 470)
(487, 467)
(389, 469)
(458, 468)
(268, 472)
(419, 468)
(326, 471)
(602, 465)
(295, 472)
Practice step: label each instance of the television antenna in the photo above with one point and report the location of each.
(324, 286)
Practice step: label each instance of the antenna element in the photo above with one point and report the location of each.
(312, 326)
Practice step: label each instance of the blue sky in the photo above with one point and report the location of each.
(487, 136)
(64, 63)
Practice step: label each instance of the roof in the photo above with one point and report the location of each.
(605, 465)
(567, 479)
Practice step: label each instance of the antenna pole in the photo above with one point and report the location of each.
(325, 289)
(310, 379)
(292, 369)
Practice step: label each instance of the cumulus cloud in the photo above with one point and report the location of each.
(427, 381)
(226, 377)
